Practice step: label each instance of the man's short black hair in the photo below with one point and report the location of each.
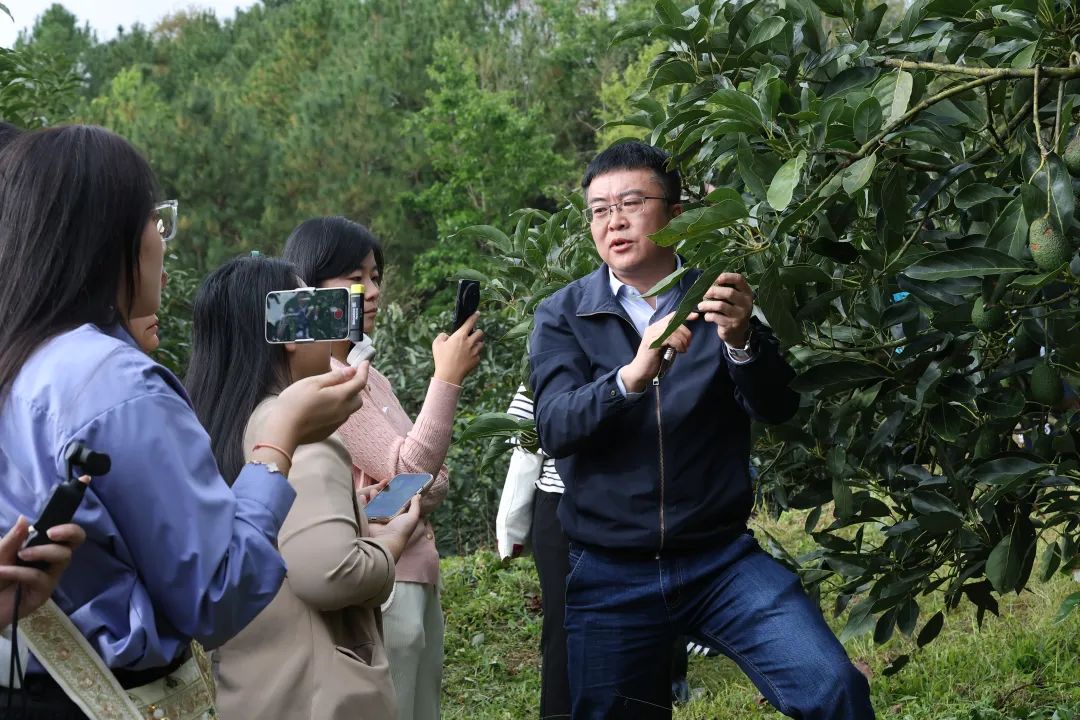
(635, 155)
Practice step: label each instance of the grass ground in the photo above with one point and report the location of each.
(1021, 665)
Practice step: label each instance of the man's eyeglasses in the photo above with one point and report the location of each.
(164, 217)
(629, 205)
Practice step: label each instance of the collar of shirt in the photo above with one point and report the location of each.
(641, 313)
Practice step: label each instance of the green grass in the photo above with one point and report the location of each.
(1021, 665)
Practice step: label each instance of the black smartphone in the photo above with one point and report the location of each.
(393, 499)
(467, 303)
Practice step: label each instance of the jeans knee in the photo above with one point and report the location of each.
(839, 692)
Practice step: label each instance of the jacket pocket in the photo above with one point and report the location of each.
(362, 653)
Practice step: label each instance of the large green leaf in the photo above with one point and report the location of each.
(674, 72)
(1005, 568)
(1067, 606)
(728, 208)
(1055, 184)
(901, 95)
(632, 30)
(850, 79)
(931, 629)
(1004, 470)
(489, 234)
(964, 262)
(784, 182)
(837, 374)
(776, 304)
(856, 176)
(495, 425)
(693, 297)
(1009, 232)
(977, 194)
(765, 31)
(867, 119)
(737, 106)
(913, 17)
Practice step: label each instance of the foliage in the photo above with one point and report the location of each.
(465, 520)
(35, 89)
(174, 316)
(872, 181)
(486, 155)
(1021, 665)
(322, 107)
(615, 99)
(412, 118)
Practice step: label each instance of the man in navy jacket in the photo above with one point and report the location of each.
(656, 467)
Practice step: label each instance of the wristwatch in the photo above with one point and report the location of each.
(745, 353)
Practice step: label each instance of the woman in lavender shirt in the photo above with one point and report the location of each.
(173, 553)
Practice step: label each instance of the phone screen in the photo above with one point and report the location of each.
(393, 498)
(468, 302)
(307, 315)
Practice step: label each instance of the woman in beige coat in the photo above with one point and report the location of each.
(316, 652)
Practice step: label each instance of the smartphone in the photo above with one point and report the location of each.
(394, 498)
(467, 303)
(307, 315)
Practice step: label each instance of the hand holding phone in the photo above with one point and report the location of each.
(458, 355)
(395, 535)
(392, 500)
(467, 302)
(37, 583)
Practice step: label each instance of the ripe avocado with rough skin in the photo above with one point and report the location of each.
(987, 319)
(1072, 156)
(1049, 248)
(1046, 386)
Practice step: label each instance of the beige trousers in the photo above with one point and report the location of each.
(413, 629)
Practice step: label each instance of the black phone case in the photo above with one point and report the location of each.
(467, 303)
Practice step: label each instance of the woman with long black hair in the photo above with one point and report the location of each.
(315, 653)
(384, 441)
(173, 553)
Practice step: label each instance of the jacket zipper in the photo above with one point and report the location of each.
(660, 438)
(659, 423)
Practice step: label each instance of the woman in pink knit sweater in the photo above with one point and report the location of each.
(383, 441)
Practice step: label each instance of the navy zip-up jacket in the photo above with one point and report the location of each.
(668, 470)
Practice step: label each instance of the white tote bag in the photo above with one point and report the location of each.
(514, 521)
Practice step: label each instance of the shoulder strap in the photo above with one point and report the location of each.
(67, 656)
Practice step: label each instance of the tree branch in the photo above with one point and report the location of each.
(990, 122)
(1057, 115)
(1010, 128)
(901, 121)
(1035, 114)
(932, 100)
(996, 73)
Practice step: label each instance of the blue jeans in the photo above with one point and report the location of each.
(623, 612)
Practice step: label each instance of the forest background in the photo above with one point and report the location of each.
(882, 172)
(416, 119)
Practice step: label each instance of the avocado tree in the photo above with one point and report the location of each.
(901, 195)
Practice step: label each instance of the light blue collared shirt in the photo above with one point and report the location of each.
(172, 552)
(642, 314)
